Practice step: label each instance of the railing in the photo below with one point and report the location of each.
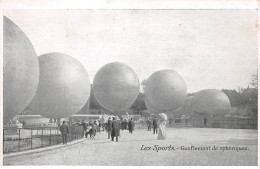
(20, 139)
(229, 123)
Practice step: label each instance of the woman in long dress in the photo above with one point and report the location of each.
(162, 126)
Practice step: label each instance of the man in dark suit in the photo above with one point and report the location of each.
(109, 127)
(84, 125)
(64, 129)
(131, 126)
(115, 129)
(155, 125)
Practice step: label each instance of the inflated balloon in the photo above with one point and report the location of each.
(210, 102)
(166, 90)
(116, 86)
(186, 107)
(150, 108)
(64, 86)
(21, 70)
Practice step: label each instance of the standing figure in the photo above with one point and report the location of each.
(94, 128)
(162, 126)
(115, 129)
(205, 121)
(84, 125)
(149, 124)
(155, 125)
(64, 129)
(131, 126)
(109, 127)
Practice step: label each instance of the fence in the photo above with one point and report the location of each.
(20, 139)
(217, 122)
(229, 123)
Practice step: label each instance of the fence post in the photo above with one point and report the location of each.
(57, 135)
(19, 140)
(50, 136)
(42, 137)
(3, 140)
(31, 139)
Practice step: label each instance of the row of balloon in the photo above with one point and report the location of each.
(56, 85)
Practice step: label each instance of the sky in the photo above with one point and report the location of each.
(208, 48)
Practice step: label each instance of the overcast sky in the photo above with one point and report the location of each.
(208, 48)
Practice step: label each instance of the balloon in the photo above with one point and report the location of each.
(21, 70)
(64, 86)
(116, 86)
(186, 107)
(166, 90)
(150, 108)
(210, 102)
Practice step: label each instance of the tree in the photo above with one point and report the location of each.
(254, 80)
(143, 83)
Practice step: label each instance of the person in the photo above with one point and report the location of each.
(124, 124)
(94, 128)
(109, 127)
(84, 125)
(155, 125)
(89, 131)
(162, 129)
(64, 129)
(99, 126)
(205, 121)
(149, 124)
(131, 126)
(115, 129)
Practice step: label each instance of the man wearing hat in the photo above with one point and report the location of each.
(115, 129)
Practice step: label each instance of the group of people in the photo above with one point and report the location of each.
(152, 123)
(155, 124)
(113, 126)
(88, 129)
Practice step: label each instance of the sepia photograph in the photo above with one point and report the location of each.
(130, 87)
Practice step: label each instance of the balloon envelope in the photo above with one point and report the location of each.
(64, 86)
(21, 70)
(186, 107)
(166, 90)
(210, 102)
(150, 108)
(116, 86)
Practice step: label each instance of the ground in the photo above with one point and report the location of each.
(127, 151)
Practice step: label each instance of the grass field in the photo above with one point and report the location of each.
(192, 146)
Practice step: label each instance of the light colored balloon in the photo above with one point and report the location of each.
(21, 70)
(64, 86)
(210, 102)
(166, 90)
(116, 86)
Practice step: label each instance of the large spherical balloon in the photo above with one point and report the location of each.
(21, 70)
(150, 108)
(64, 86)
(116, 86)
(166, 90)
(186, 107)
(210, 102)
